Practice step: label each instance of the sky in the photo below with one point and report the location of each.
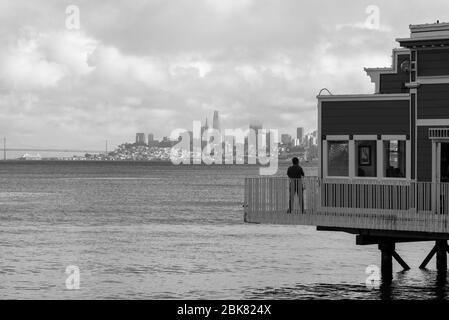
(157, 65)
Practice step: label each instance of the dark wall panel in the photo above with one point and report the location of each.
(433, 62)
(424, 155)
(395, 83)
(433, 101)
(413, 130)
(365, 117)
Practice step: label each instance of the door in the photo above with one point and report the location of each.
(440, 169)
(444, 178)
(444, 162)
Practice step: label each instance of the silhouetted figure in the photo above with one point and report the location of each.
(295, 173)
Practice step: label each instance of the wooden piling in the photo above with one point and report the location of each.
(387, 249)
(441, 250)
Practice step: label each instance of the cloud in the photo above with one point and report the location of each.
(41, 60)
(112, 66)
(152, 65)
(24, 66)
(229, 6)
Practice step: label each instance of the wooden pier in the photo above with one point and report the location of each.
(383, 158)
(378, 212)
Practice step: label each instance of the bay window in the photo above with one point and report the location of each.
(367, 156)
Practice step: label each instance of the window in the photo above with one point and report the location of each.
(366, 156)
(394, 159)
(338, 159)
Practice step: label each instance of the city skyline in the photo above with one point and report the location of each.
(144, 137)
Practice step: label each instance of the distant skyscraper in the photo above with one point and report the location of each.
(150, 137)
(140, 138)
(256, 127)
(204, 128)
(216, 123)
(286, 139)
(300, 134)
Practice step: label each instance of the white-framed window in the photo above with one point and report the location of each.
(338, 158)
(367, 157)
(395, 159)
(335, 150)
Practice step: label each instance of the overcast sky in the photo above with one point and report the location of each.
(156, 65)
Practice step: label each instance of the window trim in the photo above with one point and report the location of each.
(379, 155)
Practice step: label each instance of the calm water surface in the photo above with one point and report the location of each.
(159, 231)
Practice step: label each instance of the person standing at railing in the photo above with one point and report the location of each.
(295, 173)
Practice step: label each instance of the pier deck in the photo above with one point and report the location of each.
(381, 212)
(393, 205)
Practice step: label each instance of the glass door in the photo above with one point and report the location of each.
(444, 179)
(440, 177)
(444, 162)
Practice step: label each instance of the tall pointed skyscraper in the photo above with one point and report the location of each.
(216, 124)
(204, 128)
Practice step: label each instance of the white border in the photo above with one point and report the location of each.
(365, 137)
(379, 156)
(365, 97)
(393, 137)
(337, 137)
(432, 79)
(432, 122)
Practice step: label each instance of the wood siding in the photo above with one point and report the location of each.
(365, 117)
(413, 131)
(433, 62)
(423, 155)
(433, 101)
(395, 83)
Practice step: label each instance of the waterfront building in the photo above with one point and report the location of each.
(383, 170)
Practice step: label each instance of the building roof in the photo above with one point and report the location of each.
(429, 34)
(374, 73)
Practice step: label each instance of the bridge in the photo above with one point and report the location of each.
(52, 150)
(42, 149)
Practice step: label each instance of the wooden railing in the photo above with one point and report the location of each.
(372, 204)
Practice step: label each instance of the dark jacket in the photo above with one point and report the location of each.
(295, 172)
